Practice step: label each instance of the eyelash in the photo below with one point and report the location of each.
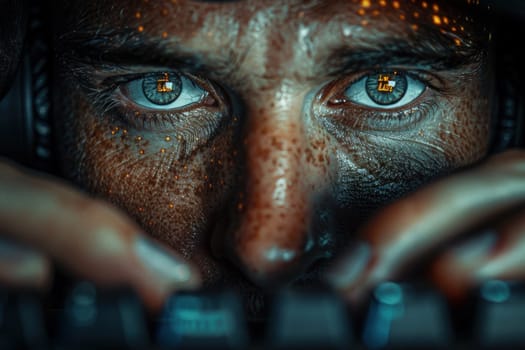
(111, 104)
(341, 110)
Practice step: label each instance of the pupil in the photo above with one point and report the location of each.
(386, 88)
(162, 89)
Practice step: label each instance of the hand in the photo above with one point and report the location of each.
(43, 220)
(487, 200)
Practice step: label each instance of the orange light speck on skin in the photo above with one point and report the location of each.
(382, 3)
(436, 19)
(141, 152)
(435, 7)
(424, 4)
(140, 29)
(416, 14)
(396, 5)
(361, 12)
(164, 35)
(365, 3)
(138, 14)
(457, 42)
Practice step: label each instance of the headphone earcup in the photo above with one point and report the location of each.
(509, 114)
(25, 111)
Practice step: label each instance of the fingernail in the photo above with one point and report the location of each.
(475, 249)
(10, 250)
(22, 265)
(164, 264)
(348, 270)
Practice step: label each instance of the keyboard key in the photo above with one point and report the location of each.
(203, 321)
(22, 323)
(407, 317)
(308, 320)
(109, 319)
(500, 321)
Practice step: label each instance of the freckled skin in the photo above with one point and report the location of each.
(288, 180)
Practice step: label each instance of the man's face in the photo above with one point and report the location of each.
(259, 133)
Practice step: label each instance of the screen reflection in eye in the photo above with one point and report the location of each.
(385, 90)
(163, 91)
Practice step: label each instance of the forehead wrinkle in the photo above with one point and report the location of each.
(325, 22)
(344, 30)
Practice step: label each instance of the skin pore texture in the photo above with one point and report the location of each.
(272, 167)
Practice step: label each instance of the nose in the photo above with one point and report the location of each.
(271, 239)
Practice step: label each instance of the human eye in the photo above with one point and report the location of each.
(159, 110)
(380, 100)
(164, 101)
(163, 91)
(385, 90)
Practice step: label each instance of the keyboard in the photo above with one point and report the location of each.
(396, 316)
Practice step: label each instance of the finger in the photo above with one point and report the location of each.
(90, 238)
(22, 267)
(496, 254)
(413, 226)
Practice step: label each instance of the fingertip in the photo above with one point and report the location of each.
(22, 267)
(455, 272)
(349, 270)
(162, 272)
(349, 276)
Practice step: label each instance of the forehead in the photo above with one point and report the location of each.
(186, 19)
(268, 37)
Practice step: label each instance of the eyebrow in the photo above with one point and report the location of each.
(430, 49)
(127, 47)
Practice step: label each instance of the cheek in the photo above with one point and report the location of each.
(465, 133)
(374, 168)
(171, 191)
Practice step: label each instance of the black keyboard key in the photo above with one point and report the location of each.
(102, 319)
(500, 322)
(309, 320)
(22, 323)
(203, 321)
(407, 317)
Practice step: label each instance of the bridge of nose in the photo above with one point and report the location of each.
(271, 238)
